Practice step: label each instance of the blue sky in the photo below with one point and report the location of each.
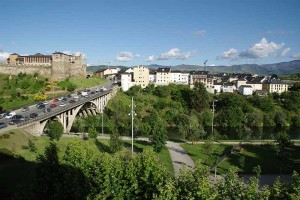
(165, 32)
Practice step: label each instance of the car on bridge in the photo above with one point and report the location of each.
(47, 110)
(33, 115)
(18, 118)
(25, 108)
(40, 105)
(10, 115)
(3, 125)
(53, 105)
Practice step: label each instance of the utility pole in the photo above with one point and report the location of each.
(132, 113)
(213, 115)
(102, 114)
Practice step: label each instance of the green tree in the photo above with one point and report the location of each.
(115, 142)
(55, 130)
(199, 97)
(71, 88)
(92, 132)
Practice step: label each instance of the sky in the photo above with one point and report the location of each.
(163, 32)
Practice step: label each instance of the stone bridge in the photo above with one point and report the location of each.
(66, 115)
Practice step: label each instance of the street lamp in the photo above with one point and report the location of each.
(132, 113)
(213, 115)
(102, 115)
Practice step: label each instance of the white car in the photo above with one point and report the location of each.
(76, 97)
(62, 104)
(10, 115)
(103, 89)
(60, 98)
(46, 102)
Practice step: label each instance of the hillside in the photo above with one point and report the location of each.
(283, 68)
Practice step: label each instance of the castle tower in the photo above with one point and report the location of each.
(60, 65)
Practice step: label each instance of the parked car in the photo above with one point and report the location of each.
(76, 97)
(55, 100)
(92, 92)
(25, 108)
(62, 104)
(78, 93)
(53, 105)
(33, 115)
(72, 101)
(60, 98)
(65, 99)
(46, 102)
(3, 125)
(69, 96)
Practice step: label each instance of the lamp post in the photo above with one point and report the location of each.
(102, 115)
(213, 115)
(132, 113)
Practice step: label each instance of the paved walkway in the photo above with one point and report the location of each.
(179, 157)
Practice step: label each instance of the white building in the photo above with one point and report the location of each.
(163, 76)
(179, 77)
(245, 90)
(126, 81)
(152, 78)
(111, 71)
(228, 87)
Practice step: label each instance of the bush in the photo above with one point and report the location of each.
(55, 130)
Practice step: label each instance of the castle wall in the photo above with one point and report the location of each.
(28, 69)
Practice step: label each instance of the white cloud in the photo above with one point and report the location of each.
(124, 56)
(230, 54)
(174, 53)
(4, 56)
(150, 58)
(261, 49)
(284, 52)
(296, 56)
(199, 33)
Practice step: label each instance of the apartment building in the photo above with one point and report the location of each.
(163, 76)
(275, 85)
(179, 77)
(141, 76)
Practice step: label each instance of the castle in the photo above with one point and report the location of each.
(57, 65)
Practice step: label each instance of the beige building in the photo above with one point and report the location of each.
(36, 59)
(275, 85)
(163, 76)
(141, 76)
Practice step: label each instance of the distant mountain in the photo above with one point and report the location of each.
(99, 67)
(283, 68)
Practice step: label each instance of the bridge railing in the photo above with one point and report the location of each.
(60, 110)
